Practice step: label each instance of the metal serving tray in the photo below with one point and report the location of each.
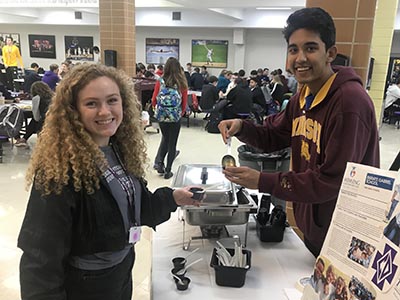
(220, 207)
(231, 214)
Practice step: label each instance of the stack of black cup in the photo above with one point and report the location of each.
(270, 226)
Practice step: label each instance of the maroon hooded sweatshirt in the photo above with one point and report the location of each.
(339, 127)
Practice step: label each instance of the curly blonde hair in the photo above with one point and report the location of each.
(65, 152)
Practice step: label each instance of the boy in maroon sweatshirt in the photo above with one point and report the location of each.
(329, 122)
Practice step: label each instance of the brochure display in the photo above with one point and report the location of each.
(360, 257)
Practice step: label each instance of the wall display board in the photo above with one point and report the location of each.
(15, 36)
(210, 53)
(79, 48)
(43, 46)
(158, 50)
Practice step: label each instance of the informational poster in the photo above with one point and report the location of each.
(360, 257)
(210, 53)
(79, 48)
(43, 46)
(158, 50)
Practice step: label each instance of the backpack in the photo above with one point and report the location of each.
(169, 104)
(213, 122)
(11, 120)
(194, 106)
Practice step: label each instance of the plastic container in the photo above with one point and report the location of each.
(230, 276)
(270, 233)
(271, 227)
(179, 262)
(198, 193)
(183, 284)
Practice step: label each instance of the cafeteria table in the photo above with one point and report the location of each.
(274, 266)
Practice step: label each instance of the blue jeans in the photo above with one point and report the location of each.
(392, 208)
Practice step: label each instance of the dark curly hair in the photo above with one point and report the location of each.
(315, 19)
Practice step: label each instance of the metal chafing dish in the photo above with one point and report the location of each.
(224, 203)
(221, 206)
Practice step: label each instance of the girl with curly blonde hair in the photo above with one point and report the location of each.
(88, 197)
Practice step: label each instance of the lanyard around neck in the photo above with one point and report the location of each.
(127, 186)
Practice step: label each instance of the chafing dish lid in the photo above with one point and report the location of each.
(209, 177)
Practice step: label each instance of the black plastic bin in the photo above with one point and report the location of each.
(271, 226)
(230, 276)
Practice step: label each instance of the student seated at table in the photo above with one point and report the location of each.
(392, 101)
(5, 92)
(42, 95)
(31, 76)
(65, 68)
(196, 80)
(209, 94)
(51, 77)
(238, 101)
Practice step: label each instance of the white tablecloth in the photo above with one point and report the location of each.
(274, 266)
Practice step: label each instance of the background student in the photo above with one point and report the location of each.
(169, 100)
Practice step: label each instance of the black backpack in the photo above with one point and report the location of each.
(213, 122)
(11, 120)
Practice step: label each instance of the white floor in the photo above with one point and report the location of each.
(196, 146)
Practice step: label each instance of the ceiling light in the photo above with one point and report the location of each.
(273, 8)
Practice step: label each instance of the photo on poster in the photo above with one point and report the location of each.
(43, 46)
(360, 252)
(79, 48)
(328, 282)
(158, 50)
(210, 53)
(360, 291)
(16, 39)
(392, 230)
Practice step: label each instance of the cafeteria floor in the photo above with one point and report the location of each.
(196, 146)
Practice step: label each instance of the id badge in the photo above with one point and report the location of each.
(134, 234)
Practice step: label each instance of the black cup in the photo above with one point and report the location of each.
(183, 284)
(262, 216)
(179, 262)
(176, 270)
(198, 193)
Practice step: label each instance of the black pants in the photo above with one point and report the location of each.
(169, 139)
(33, 127)
(11, 73)
(111, 283)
